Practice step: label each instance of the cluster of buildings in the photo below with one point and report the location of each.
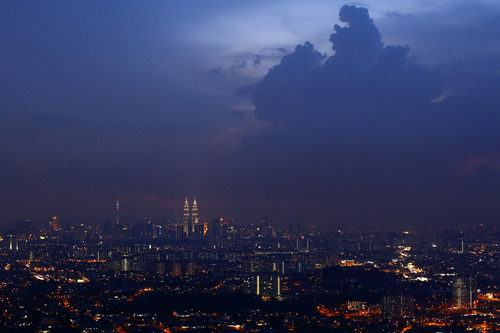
(189, 275)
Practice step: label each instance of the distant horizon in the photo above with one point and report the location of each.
(256, 220)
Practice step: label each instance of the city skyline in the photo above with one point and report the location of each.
(250, 166)
(152, 275)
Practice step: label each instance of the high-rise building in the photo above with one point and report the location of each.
(11, 241)
(464, 292)
(268, 285)
(186, 218)
(398, 306)
(54, 223)
(194, 216)
(205, 229)
(176, 269)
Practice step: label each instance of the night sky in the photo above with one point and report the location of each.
(380, 114)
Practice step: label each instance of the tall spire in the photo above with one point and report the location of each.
(194, 215)
(117, 211)
(194, 211)
(186, 210)
(185, 217)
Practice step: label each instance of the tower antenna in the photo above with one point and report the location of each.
(117, 210)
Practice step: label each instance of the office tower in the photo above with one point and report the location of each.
(176, 269)
(459, 292)
(54, 223)
(464, 291)
(267, 285)
(185, 218)
(11, 237)
(278, 288)
(397, 306)
(205, 229)
(125, 264)
(160, 268)
(194, 216)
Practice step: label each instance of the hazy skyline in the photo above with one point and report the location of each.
(254, 107)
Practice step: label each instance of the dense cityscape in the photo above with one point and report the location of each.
(249, 166)
(192, 275)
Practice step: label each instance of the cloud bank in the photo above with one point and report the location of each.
(373, 132)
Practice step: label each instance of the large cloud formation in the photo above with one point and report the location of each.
(375, 134)
(362, 70)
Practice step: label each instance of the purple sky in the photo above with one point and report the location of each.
(390, 119)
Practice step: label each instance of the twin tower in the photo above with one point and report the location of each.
(190, 217)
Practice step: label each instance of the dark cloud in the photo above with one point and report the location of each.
(371, 128)
(257, 60)
(282, 51)
(359, 41)
(305, 87)
(284, 83)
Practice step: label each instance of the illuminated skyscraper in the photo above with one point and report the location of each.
(11, 237)
(185, 217)
(205, 229)
(464, 292)
(54, 223)
(194, 216)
